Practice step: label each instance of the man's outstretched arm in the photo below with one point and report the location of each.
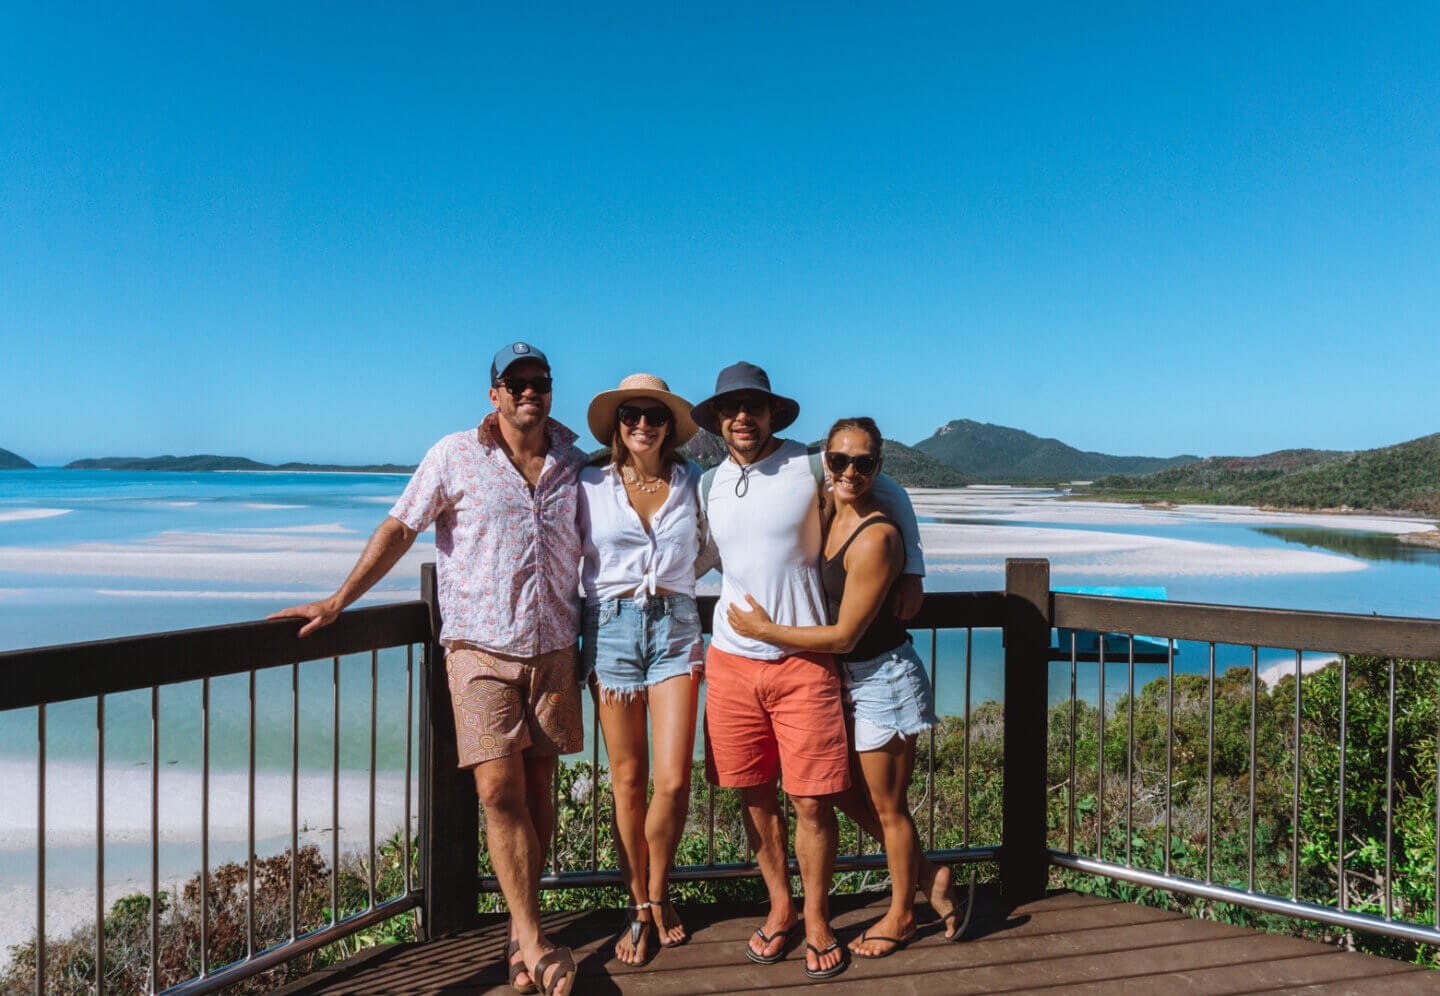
(391, 539)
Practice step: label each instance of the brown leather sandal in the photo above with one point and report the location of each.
(562, 960)
(517, 968)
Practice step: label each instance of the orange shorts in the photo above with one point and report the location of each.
(508, 705)
(766, 718)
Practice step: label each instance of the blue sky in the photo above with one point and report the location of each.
(299, 231)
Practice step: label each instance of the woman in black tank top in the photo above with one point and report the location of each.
(888, 695)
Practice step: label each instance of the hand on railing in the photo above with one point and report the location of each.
(319, 614)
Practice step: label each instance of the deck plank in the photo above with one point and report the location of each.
(1068, 941)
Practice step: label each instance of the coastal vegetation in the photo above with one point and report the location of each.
(1400, 478)
(14, 461)
(1154, 807)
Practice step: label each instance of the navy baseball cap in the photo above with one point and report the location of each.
(512, 354)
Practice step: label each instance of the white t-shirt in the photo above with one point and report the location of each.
(769, 541)
(621, 555)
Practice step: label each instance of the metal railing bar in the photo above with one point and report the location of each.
(205, 827)
(1252, 900)
(1169, 747)
(1254, 701)
(965, 776)
(154, 838)
(374, 699)
(103, 667)
(294, 800)
(740, 869)
(930, 752)
(1210, 775)
(1070, 831)
(40, 763)
(100, 845)
(1329, 632)
(710, 823)
(1295, 790)
(250, 833)
(335, 792)
(1100, 758)
(1390, 800)
(1130, 753)
(409, 735)
(265, 960)
(1341, 899)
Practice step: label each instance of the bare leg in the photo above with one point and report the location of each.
(934, 880)
(765, 823)
(672, 721)
(623, 722)
(887, 777)
(516, 850)
(816, 839)
(539, 782)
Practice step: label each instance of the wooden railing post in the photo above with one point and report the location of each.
(448, 805)
(1024, 861)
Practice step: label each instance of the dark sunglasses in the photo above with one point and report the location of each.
(631, 415)
(865, 464)
(517, 385)
(730, 407)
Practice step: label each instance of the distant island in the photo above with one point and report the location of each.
(998, 453)
(1400, 478)
(14, 461)
(209, 462)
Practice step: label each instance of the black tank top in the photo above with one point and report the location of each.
(886, 632)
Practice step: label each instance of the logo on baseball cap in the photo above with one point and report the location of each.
(512, 354)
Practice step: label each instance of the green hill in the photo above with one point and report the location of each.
(999, 453)
(1400, 478)
(14, 461)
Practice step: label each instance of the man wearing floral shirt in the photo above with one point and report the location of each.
(502, 498)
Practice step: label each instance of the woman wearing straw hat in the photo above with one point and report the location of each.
(639, 515)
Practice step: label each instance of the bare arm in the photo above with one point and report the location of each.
(872, 563)
(390, 541)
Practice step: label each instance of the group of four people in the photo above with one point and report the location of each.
(810, 674)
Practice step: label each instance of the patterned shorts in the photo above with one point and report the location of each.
(505, 705)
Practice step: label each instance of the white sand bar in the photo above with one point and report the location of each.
(27, 514)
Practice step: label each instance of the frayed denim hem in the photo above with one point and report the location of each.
(626, 694)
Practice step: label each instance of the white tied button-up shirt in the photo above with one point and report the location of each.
(621, 555)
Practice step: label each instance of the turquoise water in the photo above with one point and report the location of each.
(134, 521)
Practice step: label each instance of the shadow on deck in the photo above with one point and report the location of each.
(1067, 941)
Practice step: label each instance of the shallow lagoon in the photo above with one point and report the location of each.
(94, 554)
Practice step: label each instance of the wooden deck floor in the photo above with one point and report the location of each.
(1067, 942)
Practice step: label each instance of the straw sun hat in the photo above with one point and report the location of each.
(603, 406)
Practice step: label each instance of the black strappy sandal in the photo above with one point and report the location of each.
(660, 933)
(636, 929)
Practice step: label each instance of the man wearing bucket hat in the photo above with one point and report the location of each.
(502, 498)
(640, 526)
(769, 709)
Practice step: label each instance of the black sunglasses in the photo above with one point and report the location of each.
(730, 407)
(655, 417)
(865, 463)
(517, 385)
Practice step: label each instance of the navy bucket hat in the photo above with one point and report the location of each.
(739, 377)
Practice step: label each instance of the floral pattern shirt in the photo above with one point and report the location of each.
(508, 557)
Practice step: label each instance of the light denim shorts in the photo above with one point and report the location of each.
(632, 645)
(888, 695)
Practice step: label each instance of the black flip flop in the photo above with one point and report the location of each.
(833, 970)
(896, 944)
(766, 941)
(959, 934)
